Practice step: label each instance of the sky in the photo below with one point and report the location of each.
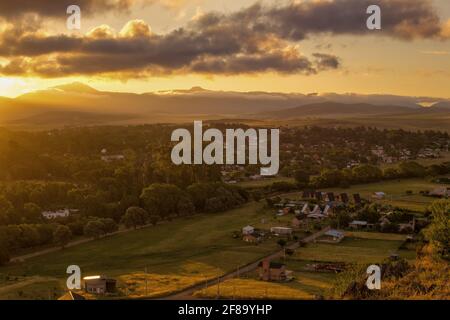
(308, 46)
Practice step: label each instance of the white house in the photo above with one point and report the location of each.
(281, 230)
(356, 224)
(56, 214)
(379, 195)
(305, 209)
(248, 230)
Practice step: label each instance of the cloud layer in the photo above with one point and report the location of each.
(256, 39)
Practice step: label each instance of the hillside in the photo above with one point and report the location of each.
(57, 106)
(331, 109)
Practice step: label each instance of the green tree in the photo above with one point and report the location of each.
(367, 173)
(302, 178)
(109, 225)
(411, 169)
(6, 210)
(4, 255)
(62, 235)
(94, 229)
(134, 217)
(32, 211)
(438, 232)
(161, 199)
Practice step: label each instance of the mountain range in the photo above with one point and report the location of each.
(79, 104)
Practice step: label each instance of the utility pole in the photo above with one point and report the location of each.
(146, 287)
(218, 288)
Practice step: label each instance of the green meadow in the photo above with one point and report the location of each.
(188, 250)
(356, 248)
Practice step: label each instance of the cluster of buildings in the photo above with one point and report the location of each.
(405, 154)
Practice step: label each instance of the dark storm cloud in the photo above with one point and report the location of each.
(57, 8)
(256, 39)
(400, 18)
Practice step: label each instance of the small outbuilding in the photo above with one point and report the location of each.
(273, 271)
(248, 230)
(357, 224)
(281, 231)
(332, 236)
(99, 284)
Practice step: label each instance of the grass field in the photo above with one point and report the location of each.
(353, 250)
(264, 182)
(357, 247)
(445, 156)
(298, 289)
(175, 254)
(159, 260)
(396, 192)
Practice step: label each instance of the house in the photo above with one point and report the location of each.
(316, 210)
(308, 194)
(56, 214)
(71, 296)
(330, 196)
(440, 192)
(315, 216)
(281, 231)
(344, 197)
(379, 195)
(99, 284)
(332, 236)
(273, 271)
(406, 227)
(248, 230)
(328, 210)
(356, 224)
(305, 209)
(319, 196)
(383, 221)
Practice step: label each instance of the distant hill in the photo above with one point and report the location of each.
(331, 109)
(69, 118)
(62, 104)
(76, 87)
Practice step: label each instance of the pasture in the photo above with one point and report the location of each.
(172, 255)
